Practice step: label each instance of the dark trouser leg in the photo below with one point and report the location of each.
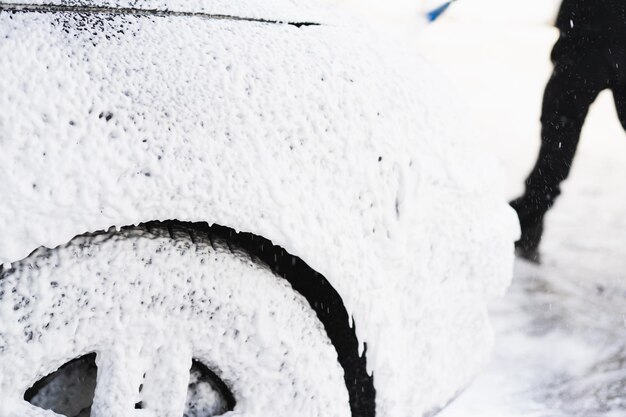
(579, 75)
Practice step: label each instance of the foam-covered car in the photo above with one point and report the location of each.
(238, 208)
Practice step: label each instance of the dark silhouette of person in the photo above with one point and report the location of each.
(589, 57)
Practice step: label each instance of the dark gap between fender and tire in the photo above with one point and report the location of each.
(107, 10)
(320, 294)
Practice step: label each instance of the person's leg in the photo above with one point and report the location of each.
(578, 77)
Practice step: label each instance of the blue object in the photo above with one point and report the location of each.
(435, 13)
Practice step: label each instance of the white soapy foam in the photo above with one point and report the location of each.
(327, 140)
(176, 301)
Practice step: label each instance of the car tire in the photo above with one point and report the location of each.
(146, 315)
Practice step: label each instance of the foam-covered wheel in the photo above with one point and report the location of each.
(155, 321)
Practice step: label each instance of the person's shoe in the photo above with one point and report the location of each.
(527, 247)
(531, 222)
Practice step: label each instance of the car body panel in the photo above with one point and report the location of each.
(273, 10)
(327, 140)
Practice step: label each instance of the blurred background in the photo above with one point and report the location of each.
(561, 330)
